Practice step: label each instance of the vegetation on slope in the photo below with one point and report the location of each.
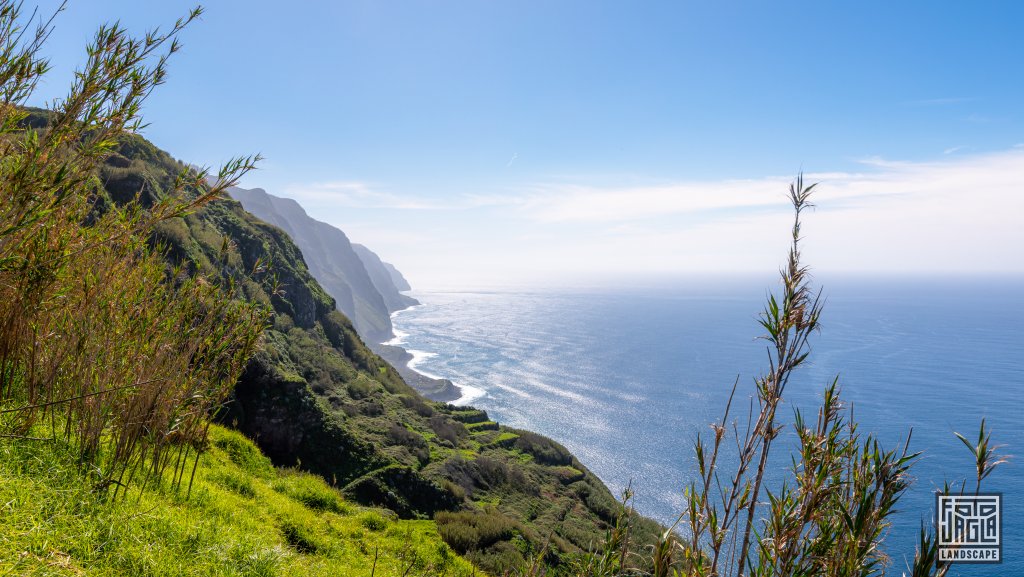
(132, 299)
(243, 518)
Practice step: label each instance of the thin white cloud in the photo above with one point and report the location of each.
(718, 201)
(960, 213)
(353, 194)
(568, 203)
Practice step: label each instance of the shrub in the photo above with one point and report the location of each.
(414, 442)
(447, 429)
(467, 415)
(373, 521)
(543, 449)
(501, 559)
(417, 404)
(399, 435)
(465, 531)
(371, 408)
(361, 387)
(484, 473)
(567, 475)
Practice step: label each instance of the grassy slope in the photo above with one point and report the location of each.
(318, 398)
(244, 518)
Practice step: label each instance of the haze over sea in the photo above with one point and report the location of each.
(625, 378)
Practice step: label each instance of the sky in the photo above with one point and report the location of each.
(529, 142)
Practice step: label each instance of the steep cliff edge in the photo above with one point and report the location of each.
(381, 274)
(397, 278)
(316, 397)
(330, 258)
(363, 286)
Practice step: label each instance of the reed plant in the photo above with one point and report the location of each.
(101, 344)
(828, 517)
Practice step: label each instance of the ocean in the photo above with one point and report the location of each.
(626, 378)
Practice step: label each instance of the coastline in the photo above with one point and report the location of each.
(434, 387)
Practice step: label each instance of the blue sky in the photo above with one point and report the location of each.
(499, 141)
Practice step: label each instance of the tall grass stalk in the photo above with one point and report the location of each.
(829, 516)
(99, 340)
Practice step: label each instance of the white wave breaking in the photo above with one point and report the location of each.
(468, 393)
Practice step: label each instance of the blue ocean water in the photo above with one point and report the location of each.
(625, 378)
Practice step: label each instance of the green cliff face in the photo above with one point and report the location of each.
(316, 397)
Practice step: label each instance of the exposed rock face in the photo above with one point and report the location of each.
(282, 414)
(330, 258)
(366, 289)
(382, 276)
(396, 278)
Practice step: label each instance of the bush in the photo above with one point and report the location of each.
(371, 408)
(416, 404)
(361, 387)
(484, 473)
(466, 531)
(467, 415)
(373, 521)
(403, 490)
(399, 435)
(501, 559)
(447, 429)
(567, 475)
(543, 449)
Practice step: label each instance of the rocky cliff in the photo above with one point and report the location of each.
(366, 289)
(331, 260)
(382, 276)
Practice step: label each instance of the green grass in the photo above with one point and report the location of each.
(244, 518)
(505, 439)
(482, 426)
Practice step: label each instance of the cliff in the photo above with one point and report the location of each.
(317, 398)
(365, 288)
(396, 278)
(383, 277)
(331, 260)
